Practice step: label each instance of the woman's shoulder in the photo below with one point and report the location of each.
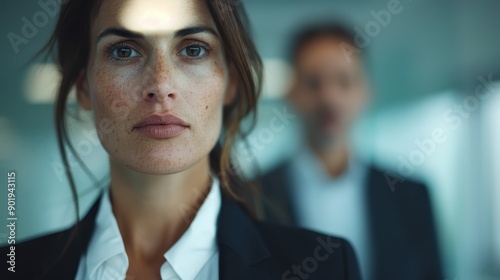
(300, 238)
(43, 255)
(309, 252)
(270, 251)
(284, 234)
(34, 246)
(24, 259)
(27, 249)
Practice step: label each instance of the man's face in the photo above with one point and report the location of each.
(329, 88)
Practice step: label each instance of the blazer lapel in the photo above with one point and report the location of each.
(65, 266)
(385, 226)
(242, 252)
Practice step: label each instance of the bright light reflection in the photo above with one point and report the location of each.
(41, 83)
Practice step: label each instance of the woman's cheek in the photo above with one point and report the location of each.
(210, 91)
(110, 106)
(112, 94)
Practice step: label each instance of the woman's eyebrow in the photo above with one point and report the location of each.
(122, 32)
(195, 29)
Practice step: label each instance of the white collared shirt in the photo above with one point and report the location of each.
(330, 205)
(195, 256)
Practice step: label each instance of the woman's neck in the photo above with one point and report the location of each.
(153, 211)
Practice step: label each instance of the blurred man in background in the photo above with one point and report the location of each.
(325, 187)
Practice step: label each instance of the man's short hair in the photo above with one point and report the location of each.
(324, 30)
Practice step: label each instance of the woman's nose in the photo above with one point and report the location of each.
(160, 79)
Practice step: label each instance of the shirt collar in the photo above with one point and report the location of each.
(195, 247)
(187, 256)
(307, 166)
(106, 241)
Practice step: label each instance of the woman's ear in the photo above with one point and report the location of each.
(232, 87)
(82, 92)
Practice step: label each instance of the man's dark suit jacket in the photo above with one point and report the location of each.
(400, 223)
(247, 250)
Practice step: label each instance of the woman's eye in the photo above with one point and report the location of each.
(193, 51)
(124, 52)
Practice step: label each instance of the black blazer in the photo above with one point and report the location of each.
(247, 250)
(400, 223)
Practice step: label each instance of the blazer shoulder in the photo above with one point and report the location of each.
(50, 256)
(276, 173)
(313, 253)
(27, 257)
(283, 233)
(36, 242)
(396, 183)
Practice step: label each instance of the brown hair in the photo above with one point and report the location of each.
(70, 44)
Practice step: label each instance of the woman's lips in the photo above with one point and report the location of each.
(161, 131)
(161, 126)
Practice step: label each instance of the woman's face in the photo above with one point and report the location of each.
(157, 80)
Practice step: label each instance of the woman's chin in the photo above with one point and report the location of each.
(159, 168)
(159, 164)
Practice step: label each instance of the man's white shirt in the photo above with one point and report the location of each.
(335, 206)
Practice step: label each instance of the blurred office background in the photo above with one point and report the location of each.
(429, 59)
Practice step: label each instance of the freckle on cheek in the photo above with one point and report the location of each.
(206, 107)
